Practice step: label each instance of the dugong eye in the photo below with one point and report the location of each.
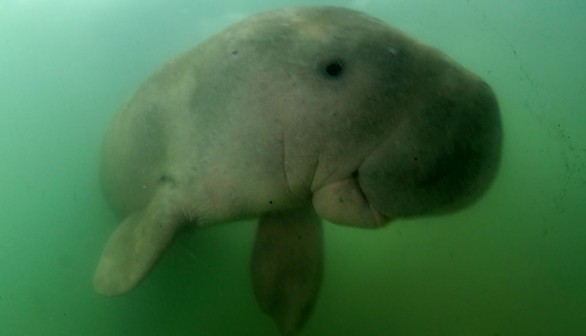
(333, 69)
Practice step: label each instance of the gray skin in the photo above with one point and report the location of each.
(293, 116)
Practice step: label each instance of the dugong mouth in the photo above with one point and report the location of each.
(345, 203)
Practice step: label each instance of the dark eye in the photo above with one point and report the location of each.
(333, 69)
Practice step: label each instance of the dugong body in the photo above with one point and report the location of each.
(293, 116)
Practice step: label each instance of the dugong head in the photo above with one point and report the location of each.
(375, 124)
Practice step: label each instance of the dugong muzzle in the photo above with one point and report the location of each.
(293, 116)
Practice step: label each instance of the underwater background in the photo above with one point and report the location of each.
(514, 263)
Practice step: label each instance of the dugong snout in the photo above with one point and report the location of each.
(443, 156)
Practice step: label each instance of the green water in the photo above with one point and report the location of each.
(513, 264)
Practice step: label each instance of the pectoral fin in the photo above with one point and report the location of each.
(136, 245)
(287, 266)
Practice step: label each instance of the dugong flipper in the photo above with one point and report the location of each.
(287, 266)
(137, 243)
(293, 116)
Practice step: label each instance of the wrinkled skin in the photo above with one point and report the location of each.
(293, 116)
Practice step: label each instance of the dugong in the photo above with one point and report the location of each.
(293, 116)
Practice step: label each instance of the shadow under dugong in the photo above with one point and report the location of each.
(293, 116)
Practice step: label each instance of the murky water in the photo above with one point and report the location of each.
(513, 264)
